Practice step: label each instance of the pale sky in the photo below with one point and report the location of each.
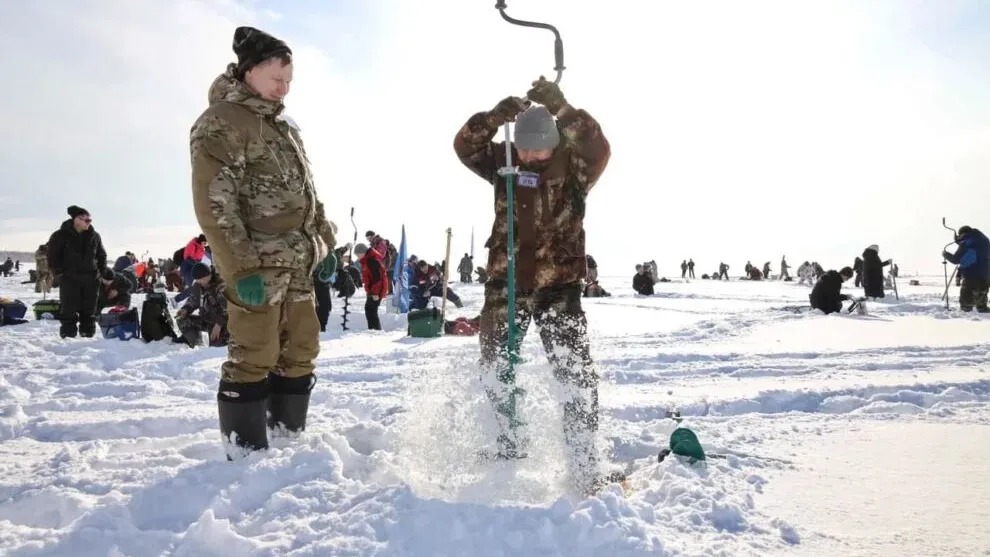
(740, 130)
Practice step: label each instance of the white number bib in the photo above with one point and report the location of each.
(529, 179)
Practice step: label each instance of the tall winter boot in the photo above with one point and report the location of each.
(288, 403)
(241, 408)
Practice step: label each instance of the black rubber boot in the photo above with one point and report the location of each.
(241, 408)
(288, 402)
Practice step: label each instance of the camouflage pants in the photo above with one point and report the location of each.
(44, 283)
(191, 328)
(973, 293)
(281, 336)
(563, 329)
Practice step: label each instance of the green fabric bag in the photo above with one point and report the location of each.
(683, 442)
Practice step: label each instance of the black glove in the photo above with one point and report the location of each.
(506, 110)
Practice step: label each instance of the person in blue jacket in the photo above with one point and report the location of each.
(973, 258)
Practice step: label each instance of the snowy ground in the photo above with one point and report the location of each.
(843, 435)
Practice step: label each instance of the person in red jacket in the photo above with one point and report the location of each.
(375, 279)
(193, 253)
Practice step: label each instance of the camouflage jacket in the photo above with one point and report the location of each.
(549, 218)
(252, 186)
(41, 260)
(210, 301)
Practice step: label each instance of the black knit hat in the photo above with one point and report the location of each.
(253, 46)
(76, 211)
(108, 274)
(201, 270)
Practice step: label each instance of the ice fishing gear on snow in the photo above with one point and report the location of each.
(350, 257)
(446, 277)
(683, 442)
(945, 269)
(429, 323)
(893, 280)
(509, 172)
(858, 305)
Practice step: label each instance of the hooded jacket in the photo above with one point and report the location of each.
(76, 254)
(252, 187)
(972, 256)
(873, 273)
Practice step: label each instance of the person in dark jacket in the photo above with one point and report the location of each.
(465, 267)
(207, 296)
(973, 258)
(124, 261)
(321, 287)
(642, 281)
(826, 295)
(873, 272)
(76, 258)
(592, 268)
(858, 269)
(115, 290)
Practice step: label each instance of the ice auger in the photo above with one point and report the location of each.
(945, 269)
(509, 172)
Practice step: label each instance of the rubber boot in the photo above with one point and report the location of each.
(288, 403)
(241, 409)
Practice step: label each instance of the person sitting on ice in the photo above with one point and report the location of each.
(594, 290)
(826, 295)
(207, 296)
(115, 290)
(482, 275)
(592, 269)
(973, 258)
(642, 281)
(427, 282)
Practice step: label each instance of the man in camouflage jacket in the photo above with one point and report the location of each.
(44, 277)
(255, 200)
(208, 296)
(560, 162)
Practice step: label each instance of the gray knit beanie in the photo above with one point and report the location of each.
(536, 130)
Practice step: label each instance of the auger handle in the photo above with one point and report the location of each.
(954, 233)
(558, 43)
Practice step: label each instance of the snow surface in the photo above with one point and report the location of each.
(841, 435)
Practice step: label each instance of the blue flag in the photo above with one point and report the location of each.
(400, 294)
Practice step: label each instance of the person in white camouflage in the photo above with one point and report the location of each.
(44, 277)
(255, 200)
